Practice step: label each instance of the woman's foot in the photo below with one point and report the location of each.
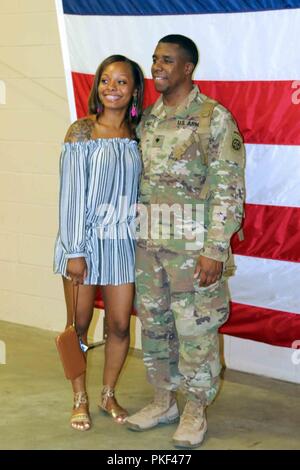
(109, 404)
(80, 419)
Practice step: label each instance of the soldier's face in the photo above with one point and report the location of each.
(169, 68)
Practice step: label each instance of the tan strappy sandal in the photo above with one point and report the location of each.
(80, 419)
(118, 413)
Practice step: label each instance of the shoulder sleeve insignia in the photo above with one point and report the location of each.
(236, 143)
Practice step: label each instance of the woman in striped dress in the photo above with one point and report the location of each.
(100, 168)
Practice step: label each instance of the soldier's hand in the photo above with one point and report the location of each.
(208, 271)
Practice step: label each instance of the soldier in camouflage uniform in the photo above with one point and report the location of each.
(193, 156)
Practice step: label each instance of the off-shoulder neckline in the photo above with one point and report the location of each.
(102, 139)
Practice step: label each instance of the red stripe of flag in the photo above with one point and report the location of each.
(262, 324)
(264, 110)
(270, 232)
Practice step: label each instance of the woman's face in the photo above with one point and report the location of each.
(116, 86)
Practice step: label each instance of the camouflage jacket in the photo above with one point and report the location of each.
(176, 172)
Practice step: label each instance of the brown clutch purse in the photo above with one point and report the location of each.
(69, 348)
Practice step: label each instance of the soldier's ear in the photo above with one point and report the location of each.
(189, 68)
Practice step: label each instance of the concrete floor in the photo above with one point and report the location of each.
(251, 412)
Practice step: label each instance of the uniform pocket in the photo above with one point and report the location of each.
(204, 289)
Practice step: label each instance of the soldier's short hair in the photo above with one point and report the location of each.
(186, 44)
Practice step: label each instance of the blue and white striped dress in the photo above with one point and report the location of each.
(98, 193)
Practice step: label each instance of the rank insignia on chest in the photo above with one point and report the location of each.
(158, 141)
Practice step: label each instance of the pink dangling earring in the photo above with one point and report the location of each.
(99, 108)
(133, 110)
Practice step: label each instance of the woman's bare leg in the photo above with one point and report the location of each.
(118, 301)
(84, 313)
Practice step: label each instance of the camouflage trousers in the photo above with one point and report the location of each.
(180, 322)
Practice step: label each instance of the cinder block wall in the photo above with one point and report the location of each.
(34, 116)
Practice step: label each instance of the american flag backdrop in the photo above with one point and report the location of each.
(250, 63)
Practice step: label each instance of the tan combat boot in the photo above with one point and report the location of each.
(192, 427)
(163, 410)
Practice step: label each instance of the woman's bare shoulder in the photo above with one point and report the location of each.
(81, 129)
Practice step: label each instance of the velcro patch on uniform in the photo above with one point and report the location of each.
(149, 123)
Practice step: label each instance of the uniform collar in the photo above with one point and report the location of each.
(159, 111)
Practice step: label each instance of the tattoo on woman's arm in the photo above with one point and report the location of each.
(79, 131)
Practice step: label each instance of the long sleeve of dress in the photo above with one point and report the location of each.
(72, 200)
